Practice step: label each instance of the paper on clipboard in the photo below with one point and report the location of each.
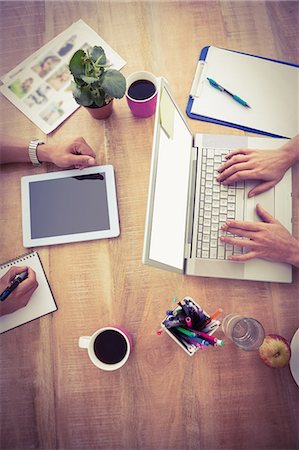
(271, 89)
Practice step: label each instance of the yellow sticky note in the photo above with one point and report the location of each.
(167, 110)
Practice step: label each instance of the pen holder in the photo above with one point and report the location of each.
(191, 327)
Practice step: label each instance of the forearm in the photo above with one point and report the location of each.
(291, 151)
(14, 150)
(294, 253)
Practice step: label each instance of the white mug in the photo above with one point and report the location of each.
(108, 348)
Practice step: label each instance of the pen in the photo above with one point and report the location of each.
(191, 347)
(238, 99)
(188, 322)
(193, 342)
(186, 332)
(172, 323)
(196, 341)
(212, 316)
(15, 283)
(211, 339)
(210, 326)
(206, 337)
(184, 308)
(216, 313)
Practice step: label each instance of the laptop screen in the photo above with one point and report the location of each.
(169, 184)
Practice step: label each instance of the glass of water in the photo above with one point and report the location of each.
(247, 333)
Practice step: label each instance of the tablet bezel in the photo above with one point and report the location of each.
(113, 231)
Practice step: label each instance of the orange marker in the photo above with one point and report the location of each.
(216, 313)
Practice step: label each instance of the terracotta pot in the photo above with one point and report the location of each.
(102, 112)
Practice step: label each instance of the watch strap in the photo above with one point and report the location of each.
(32, 151)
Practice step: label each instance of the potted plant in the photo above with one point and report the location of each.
(95, 84)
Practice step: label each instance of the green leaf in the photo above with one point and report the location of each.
(98, 54)
(99, 101)
(85, 97)
(76, 63)
(75, 89)
(89, 80)
(113, 83)
(79, 81)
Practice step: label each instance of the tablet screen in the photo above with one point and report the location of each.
(63, 206)
(69, 206)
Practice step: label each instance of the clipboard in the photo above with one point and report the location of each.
(268, 102)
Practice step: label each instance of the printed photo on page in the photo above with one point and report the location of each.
(40, 86)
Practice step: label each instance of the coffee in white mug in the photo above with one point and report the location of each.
(108, 348)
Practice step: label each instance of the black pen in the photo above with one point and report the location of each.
(15, 283)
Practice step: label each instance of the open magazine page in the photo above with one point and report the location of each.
(40, 85)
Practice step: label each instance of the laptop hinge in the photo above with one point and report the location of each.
(190, 209)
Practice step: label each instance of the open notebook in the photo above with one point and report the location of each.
(41, 302)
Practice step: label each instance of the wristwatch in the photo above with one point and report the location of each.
(32, 151)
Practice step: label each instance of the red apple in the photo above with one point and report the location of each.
(275, 351)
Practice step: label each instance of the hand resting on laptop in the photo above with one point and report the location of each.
(269, 239)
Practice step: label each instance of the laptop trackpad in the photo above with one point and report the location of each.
(266, 200)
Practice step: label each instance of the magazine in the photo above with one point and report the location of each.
(40, 86)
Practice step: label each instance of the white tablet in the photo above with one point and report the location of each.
(69, 206)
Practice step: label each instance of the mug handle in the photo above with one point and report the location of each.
(84, 341)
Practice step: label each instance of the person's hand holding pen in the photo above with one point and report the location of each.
(268, 166)
(21, 295)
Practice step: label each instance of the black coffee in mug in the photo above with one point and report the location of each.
(110, 347)
(141, 89)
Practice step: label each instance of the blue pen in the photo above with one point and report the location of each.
(214, 84)
(15, 283)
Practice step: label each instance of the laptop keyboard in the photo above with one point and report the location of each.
(217, 204)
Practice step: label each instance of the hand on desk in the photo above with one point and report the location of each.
(269, 166)
(21, 295)
(72, 153)
(268, 240)
(75, 153)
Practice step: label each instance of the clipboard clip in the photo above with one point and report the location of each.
(199, 76)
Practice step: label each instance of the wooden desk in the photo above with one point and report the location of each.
(52, 397)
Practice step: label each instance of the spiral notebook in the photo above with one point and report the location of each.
(41, 302)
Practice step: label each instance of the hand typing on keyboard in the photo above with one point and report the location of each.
(269, 166)
(217, 204)
(268, 240)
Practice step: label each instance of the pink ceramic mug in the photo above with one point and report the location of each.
(144, 103)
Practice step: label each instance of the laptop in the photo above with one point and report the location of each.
(187, 206)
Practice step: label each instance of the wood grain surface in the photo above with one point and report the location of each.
(52, 397)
